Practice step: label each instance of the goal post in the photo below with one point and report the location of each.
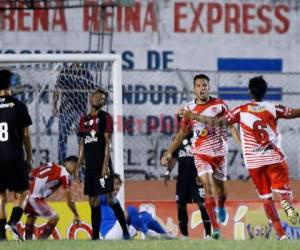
(116, 79)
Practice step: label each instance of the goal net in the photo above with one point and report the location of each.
(56, 90)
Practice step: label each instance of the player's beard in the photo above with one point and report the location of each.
(97, 107)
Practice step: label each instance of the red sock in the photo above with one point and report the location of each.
(286, 196)
(271, 213)
(29, 228)
(210, 205)
(46, 231)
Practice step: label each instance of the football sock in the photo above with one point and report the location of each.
(120, 216)
(210, 205)
(47, 231)
(156, 227)
(205, 219)
(2, 229)
(182, 219)
(96, 220)
(15, 216)
(221, 200)
(272, 215)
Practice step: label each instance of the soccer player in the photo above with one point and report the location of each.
(72, 87)
(95, 131)
(261, 149)
(46, 179)
(14, 134)
(138, 221)
(209, 149)
(187, 189)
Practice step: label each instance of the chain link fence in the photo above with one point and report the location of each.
(150, 101)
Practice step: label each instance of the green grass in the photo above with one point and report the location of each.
(151, 244)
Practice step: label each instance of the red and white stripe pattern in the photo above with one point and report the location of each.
(208, 140)
(259, 135)
(47, 179)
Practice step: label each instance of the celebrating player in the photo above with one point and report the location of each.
(261, 149)
(209, 148)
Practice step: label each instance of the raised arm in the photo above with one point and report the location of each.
(213, 122)
(295, 113)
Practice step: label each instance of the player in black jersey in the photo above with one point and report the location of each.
(95, 131)
(14, 167)
(187, 189)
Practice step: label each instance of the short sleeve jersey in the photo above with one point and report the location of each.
(92, 129)
(208, 140)
(47, 178)
(14, 117)
(259, 135)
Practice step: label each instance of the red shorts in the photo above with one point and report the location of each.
(211, 164)
(271, 178)
(38, 207)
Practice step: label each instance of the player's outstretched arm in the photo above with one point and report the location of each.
(211, 121)
(295, 113)
(71, 204)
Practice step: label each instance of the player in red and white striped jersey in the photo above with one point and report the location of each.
(261, 148)
(46, 179)
(209, 148)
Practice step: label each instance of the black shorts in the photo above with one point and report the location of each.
(188, 191)
(95, 185)
(14, 176)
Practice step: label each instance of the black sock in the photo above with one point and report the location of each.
(205, 219)
(15, 216)
(119, 213)
(2, 229)
(96, 220)
(182, 219)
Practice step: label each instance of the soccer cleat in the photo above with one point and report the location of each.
(207, 237)
(216, 235)
(290, 212)
(126, 236)
(17, 236)
(222, 214)
(283, 237)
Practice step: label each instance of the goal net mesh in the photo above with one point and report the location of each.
(57, 94)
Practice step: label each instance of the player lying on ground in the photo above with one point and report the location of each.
(261, 149)
(110, 227)
(209, 149)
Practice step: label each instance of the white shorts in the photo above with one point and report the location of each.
(116, 232)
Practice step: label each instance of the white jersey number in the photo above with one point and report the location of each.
(3, 131)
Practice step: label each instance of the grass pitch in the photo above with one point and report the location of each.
(151, 244)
